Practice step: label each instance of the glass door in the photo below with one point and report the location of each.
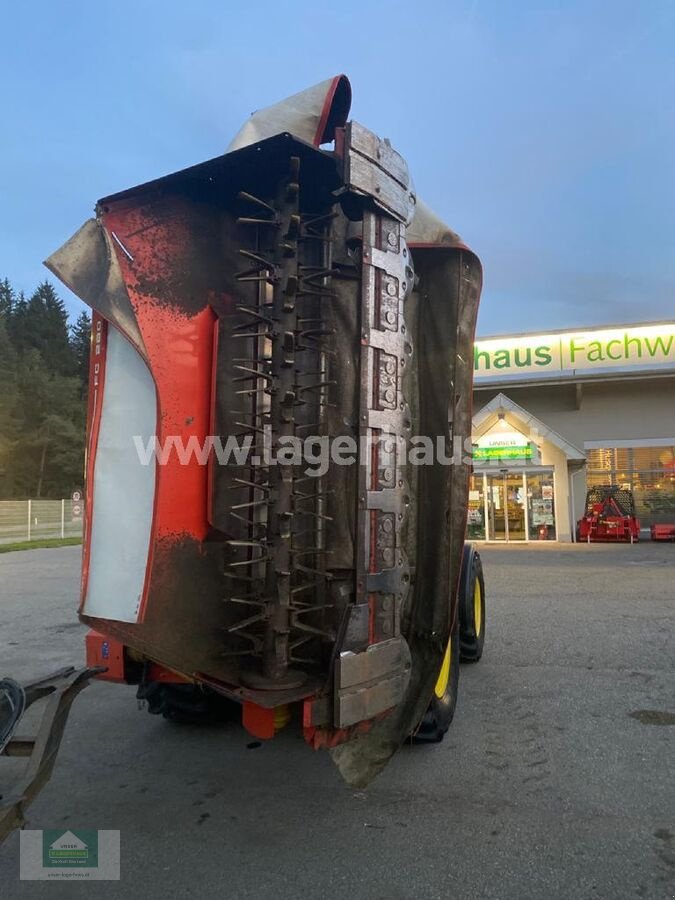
(475, 519)
(541, 506)
(496, 520)
(506, 503)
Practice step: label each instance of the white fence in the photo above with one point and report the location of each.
(31, 520)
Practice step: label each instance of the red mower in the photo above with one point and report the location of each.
(609, 516)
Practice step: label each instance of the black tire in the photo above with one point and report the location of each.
(188, 704)
(441, 710)
(471, 607)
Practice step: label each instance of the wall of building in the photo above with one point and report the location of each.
(553, 456)
(611, 410)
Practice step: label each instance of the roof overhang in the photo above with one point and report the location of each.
(503, 407)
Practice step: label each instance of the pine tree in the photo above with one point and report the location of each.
(6, 297)
(9, 394)
(49, 452)
(80, 341)
(41, 324)
(42, 413)
(16, 322)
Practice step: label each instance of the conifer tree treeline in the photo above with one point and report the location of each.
(43, 388)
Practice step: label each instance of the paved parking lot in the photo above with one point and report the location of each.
(557, 779)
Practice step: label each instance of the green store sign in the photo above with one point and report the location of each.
(641, 346)
(486, 454)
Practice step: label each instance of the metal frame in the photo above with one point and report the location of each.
(59, 689)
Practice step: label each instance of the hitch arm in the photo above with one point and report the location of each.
(40, 747)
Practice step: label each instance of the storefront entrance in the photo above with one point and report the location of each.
(506, 507)
(512, 505)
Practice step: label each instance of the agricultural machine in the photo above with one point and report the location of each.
(288, 299)
(609, 516)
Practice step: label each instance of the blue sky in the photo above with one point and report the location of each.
(543, 132)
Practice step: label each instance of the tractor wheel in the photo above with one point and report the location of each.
(471, 606)
(441, 711)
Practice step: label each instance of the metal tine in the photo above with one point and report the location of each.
(325, 295)
(298, 638)
(315, 386)
(345, 274)
(301, 604)
(320, 273)
(235, 542)
(252, 450)
(251, 334)
(251, 620)
(254, 428)
(303, 568)
(308, 374)
(250, 504)
(310, 585)
(248, 522)
(300, 497)
(299, 534)
(243, 276)
(303, 610)
(245, 220)
(245, 600)
(252, 522)
(249, 311)
(315, 515)
(297, 642)
(254, 484)
(253, 372)
(316, 332)
(324, 217)
(244, 195)
(247, 578)
(251, 651)
(311, 629)
(249, 414)
(252, 270)
(253, 377)
(249, 562)
(249, 254)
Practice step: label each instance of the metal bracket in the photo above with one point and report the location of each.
(370, 682)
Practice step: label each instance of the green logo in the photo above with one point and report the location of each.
(76, 848)
(493, 453)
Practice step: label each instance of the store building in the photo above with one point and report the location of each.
(560, 412)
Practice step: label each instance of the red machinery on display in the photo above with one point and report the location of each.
(609, 516)
(662, 532)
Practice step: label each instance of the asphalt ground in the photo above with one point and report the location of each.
(557, 779)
